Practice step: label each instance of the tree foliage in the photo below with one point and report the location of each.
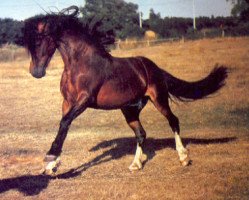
(178, 27)
(241, 9)
(117, 15)
(10, 31)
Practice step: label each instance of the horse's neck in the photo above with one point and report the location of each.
(73, 51)
(77, 52)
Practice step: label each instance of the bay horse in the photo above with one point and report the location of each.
(93, 78)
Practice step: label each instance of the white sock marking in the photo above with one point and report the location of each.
(51, 166)
(137, 164)
(182, 152)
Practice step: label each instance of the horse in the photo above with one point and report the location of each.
(93, 78)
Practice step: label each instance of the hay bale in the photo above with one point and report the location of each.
(150, 35)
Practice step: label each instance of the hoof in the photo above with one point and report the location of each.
(135, 166)
(51, 166)
(184, 157)
(186, 162)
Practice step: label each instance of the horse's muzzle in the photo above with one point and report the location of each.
(38, 72)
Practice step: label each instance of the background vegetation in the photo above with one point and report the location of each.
(123, 18)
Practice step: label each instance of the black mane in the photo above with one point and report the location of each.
(59, 23)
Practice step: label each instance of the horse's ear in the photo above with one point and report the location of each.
(40, 27)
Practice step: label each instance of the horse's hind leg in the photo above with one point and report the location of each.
(131, 114)
(161, 103)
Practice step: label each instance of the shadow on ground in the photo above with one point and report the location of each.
(31, 185)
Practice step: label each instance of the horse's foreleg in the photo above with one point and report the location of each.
(52, 158)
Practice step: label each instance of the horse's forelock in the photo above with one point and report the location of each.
(33, 27)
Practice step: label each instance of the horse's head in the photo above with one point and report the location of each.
(41, 34)
(40, 43)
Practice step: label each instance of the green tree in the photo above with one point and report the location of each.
(240, 9)
(169, 26)
(10, 31)
(117, 15)
(155, 21)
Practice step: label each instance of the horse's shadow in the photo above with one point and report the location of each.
(31, 185)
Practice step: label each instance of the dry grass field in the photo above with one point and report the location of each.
(100, 146)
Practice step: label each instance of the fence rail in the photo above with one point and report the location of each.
(129, 43)
(11, 52)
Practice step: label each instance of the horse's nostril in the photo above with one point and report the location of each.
(38, 72)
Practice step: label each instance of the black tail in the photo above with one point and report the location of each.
(186, 91)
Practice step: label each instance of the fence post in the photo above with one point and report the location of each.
(118, 44)
(12, 54)
(148, 43)
(223, 33)
(182, 40)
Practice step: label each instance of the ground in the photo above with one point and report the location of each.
(100, 146)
